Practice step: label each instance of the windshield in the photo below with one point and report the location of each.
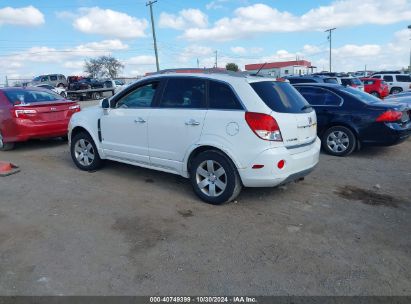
(30, 96)
(364, 97)
(37, 78)
(281, 97)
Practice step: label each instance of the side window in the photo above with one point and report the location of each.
(185, 93)
(319, 97)
(53, 77)
(388, 78)
(221, 96)
(141, 97)
(44, 78)
(403, 78)
(376, 76)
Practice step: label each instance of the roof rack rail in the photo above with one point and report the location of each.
(199, 70)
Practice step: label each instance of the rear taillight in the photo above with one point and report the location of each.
(23, 113)
(389, 116)
(264, 126)
(75, 108)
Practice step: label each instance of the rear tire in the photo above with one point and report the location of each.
(84, 152)
(339, 141)
(214, 178)
(5, 146)
(395, 91)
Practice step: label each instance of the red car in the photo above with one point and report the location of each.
(27, 113)
(376, 87)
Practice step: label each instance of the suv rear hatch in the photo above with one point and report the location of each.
(295, 117)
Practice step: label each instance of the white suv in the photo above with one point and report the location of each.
(397, 83)
(222, 131)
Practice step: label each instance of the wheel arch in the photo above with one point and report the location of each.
(342, 124)
(78, 129)
(202, 148)
(393, 88)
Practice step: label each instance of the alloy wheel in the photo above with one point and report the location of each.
(338, 141)
(211, 178)
(84, 152)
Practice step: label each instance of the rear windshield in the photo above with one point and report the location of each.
(30, 96)
(364, 97)
(281, 97)
(331, 80)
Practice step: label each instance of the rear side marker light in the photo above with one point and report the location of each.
(281, 164)
(258, 166)
(389, 116)
(264, 126)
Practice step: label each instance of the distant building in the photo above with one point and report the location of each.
(281, 69)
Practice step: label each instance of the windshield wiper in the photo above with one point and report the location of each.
(306, 107)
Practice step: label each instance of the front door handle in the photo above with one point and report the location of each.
(140, 120)
(192, 122)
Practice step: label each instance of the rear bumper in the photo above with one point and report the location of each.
(388, 135)
(25, 130)
(297, 165)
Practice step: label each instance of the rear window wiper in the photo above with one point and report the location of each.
(306, 107)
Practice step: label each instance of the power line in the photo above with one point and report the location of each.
(150, 3)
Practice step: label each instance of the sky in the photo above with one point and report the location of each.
(45, 37)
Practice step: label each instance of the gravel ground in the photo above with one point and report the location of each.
(344, 230)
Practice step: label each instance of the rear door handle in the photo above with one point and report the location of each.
(140, 120)
(192, 122)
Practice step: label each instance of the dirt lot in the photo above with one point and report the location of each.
(131, 231)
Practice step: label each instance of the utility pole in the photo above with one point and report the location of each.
(150, 3)
(329, 37)
(409, 68)
(216, 59)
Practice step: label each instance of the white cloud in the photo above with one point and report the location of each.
(216, 4)
(109, 23)
(238, 50)
(47, 54)
(141, 60)
(25, 16)
(242, 50)
(193, 52)
(261, 18)
(185, 18)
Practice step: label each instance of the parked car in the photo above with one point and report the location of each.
(55, 80)
(85, 84)
(400, 95)
(59, 90)
(219, 130)
(27, 113)
(376, 87)
(312, 79)
(352, 82)
(397, 83)
(349, 118)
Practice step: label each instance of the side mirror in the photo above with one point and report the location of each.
(104, 103)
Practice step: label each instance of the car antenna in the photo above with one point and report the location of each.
(264, 64)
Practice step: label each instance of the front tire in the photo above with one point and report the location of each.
(339, 141)
(214, 178)
(376, 94)
(84, 152)
(5, 146)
